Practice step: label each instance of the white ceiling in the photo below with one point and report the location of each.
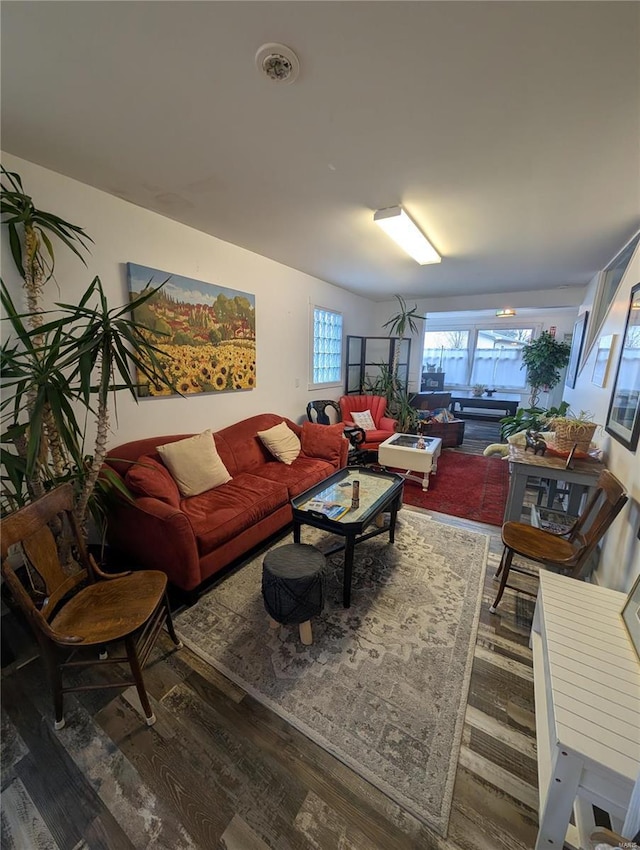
(509, 130)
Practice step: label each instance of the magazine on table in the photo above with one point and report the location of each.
(332, 510)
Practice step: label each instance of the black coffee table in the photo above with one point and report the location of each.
(379, 492)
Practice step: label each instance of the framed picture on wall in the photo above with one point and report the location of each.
(603, 358)
(577, 343)
(204, 334)
(623, 418)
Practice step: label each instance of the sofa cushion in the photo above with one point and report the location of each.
(281, 442)
(363, 419)
(299, 476)
(148, 477)
(218, 515)
(323, 441)
(194, 463)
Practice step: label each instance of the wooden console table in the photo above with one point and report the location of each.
(587, 696)
(523, 464)
(505, 406)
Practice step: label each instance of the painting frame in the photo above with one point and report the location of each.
(623, 417)
(603, 359)
(577, 344)
(203, 333)
(631, 615)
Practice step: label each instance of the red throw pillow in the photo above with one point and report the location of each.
(148, 477)
(323, 441)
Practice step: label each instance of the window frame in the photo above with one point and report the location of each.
(473, 330)
(313, 385)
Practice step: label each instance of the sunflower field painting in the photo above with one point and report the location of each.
(206, 334)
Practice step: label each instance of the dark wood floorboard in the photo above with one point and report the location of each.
(219, 771)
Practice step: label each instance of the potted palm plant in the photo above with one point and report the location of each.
(59, 367)
(543, 359)
(398, 398)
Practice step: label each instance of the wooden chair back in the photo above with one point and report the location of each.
(30, 529)
(603, 507)
(317, 412)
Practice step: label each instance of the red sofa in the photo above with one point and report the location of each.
(192, 538)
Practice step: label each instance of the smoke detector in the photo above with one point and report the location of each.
(278, 63)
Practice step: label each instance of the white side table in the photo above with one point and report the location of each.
(587, 695)
(401, 451)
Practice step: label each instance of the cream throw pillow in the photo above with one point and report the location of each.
(364, 420)
(194, 463)
(281, 442)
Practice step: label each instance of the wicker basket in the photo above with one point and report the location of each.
(569, 432)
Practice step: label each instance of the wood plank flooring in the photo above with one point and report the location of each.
(220, 771)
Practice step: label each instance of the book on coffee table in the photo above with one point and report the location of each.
(332, 510)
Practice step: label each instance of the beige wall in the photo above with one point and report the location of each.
(125, 233)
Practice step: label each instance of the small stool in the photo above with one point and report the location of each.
(293, 586)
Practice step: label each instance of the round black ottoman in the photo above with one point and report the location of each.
(293, 586)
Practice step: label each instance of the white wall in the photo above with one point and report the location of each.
(620, 561)
(123, 232)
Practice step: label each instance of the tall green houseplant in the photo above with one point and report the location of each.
(398, 399)
(60, 367)
(543, 359)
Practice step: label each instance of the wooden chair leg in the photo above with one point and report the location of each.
(50, 657)
(170, 628)
(506, 567)
(499, 570)
(132, 655)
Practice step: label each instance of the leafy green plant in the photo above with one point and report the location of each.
(59, 367)
(531, 418)
(82, 355)
(397, 326)
(543, 359)
(30, 232)
(398, 399)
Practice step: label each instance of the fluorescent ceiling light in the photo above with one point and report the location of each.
(505, 313)
(397, 224)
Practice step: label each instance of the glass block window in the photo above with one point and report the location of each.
(327, 347)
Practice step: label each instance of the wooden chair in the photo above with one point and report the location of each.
(317, 412)
(566, 552)
(86, 609)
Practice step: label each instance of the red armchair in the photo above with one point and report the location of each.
(384, 425)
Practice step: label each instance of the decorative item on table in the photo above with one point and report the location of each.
(489, 393)
(570, 430)
(478, 390)
(535, 441)
(355, 495)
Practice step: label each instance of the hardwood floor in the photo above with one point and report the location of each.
(220, 771)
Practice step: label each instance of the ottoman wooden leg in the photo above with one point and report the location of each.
(273, 624)
(306, 635)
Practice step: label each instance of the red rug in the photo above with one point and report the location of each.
(465, 485)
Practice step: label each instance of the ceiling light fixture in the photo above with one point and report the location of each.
(505, 313)
(400, 227)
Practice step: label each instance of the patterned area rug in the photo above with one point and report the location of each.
(384, 685)
(465, 486)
